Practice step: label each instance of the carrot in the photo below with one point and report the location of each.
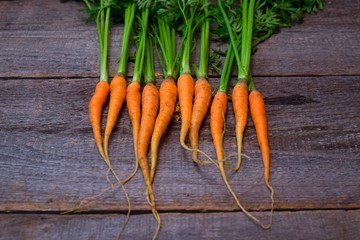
(217, 121)
(185, 86)
(102, 88)
(168, 96)
(217, 116)
(95, 107)
(257, 108)
(118, 83)
(133, 96)
(243, 74)
(117, 97)
(240, 105)
(133, 100)
(202, 90)
(150, 105)
(201, 104)
(185, 82)
(165, 38)
(101, 93)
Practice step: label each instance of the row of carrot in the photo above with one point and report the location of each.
(154, 25)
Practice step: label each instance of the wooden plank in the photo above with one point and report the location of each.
(51, 39)
(287, 225)
(49, 160)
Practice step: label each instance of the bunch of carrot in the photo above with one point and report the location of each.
(155, 23)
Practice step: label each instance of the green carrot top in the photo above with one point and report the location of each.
(260, 19)
(141, 46)
(165, 38)
(202, 71)
(128, 24)
(101, 14)
(149, 72)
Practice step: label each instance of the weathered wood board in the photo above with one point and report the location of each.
(287, 225)
(308, 75)
(49, 160)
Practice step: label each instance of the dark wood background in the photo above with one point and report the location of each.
(309, 75)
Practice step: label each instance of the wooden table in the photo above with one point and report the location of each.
(309, 75)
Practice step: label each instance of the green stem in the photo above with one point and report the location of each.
(248, 39)
(149, 72)
(87, 4)
(173, 38)
(167, 42)
(225, 74)
(129, 20)
(139, 59)
(102, 18)
(103, 55)
(241, 72)
(185, 61)
(244, 30)
(204, 51)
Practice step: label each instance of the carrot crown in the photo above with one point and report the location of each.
(202, 71)
(128, 23)
(166, 39)
(168, 21)
(149, 73)
(234, 43)
(188, 10)
(141, 45)
(102, 19)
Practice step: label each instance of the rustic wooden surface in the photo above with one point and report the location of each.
(308, 74)
(193, 226)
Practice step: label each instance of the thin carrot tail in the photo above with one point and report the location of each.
(185, 91)
(95, 108)
(150, 196)
(272, 201)
(202, 93)
(150, 102)
(117, 97)
(168, 96)
(222, 170)
(151, 200)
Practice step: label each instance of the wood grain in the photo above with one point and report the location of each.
(287, 225)
(49, 161)
(43, 38)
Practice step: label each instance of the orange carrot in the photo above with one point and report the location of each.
(240, 104)
(168, 96)
(150, 105)
(95, 107)
(257, 108)
(217, 116)
(256, 103)
(185, 86)
(133, 100)
(117, 97)
(200, 108)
